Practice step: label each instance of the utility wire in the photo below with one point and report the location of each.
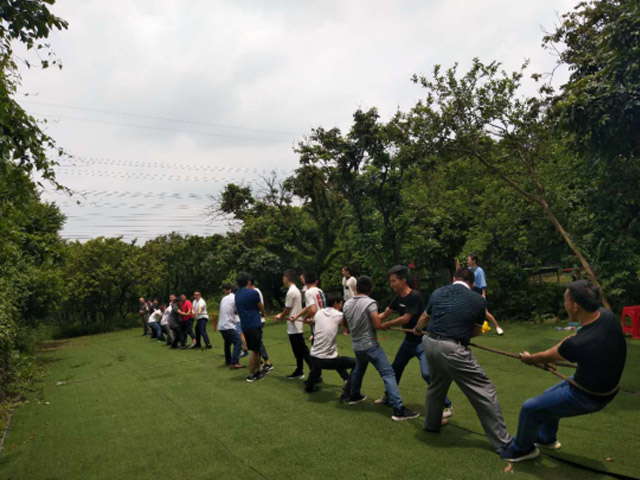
(166, 119)
(164, 129)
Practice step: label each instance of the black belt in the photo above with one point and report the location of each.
(443, 338)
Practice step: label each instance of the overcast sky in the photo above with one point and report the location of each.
(163, 102)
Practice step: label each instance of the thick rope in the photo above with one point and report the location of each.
(547, 367)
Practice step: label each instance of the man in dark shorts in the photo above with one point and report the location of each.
(455, 313)
(249, 309)
(599, 349)
(408, 304)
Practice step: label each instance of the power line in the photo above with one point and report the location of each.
(166, 119)
(164, 129)
(161, 165)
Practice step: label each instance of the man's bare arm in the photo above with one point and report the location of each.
(548, 356)
(375, 320)
(284, 314)
(401, 320)
(423, 321)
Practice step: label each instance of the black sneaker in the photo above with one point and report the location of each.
(312, 389)
(319, 380)
(344, 397)
(208, 347)
(255, 377)
(403, 413)
(296, 376)
(356, 400)
(266, 368)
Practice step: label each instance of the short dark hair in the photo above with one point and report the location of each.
(474, 257)
(333, 298)
(399, 271)
(310, 277)
(348, 269)
(290, 275)
(227, 286)
(243, 279)
(465, 275)
(585, 294)
(364, 284)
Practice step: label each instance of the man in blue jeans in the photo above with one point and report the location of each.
(599, 349)
(408, 304)
(361, 313)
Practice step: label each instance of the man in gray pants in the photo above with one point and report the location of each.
(455, 314)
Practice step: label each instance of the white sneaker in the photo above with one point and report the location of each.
(551, 446)
(382, 400)
(499, 331)
(447, 412)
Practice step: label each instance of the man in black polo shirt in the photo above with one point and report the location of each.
(600, 351)
(408, 304)
(455, 314)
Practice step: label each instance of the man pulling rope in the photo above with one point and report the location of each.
(599, 349)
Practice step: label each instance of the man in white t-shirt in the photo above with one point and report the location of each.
(154, 324)
(201, 316)
(227, 326)
(324, 354)
(292, 307)
(313, 299)
(165, 323)
(349, 282)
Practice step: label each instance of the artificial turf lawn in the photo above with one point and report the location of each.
(144, 411)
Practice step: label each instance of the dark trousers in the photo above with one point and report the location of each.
(201, 331)
(300, 351)
(145, 325)
(189, 327)
(179, 335)
(263, 351)
(231, 337)
(339, 364)
(184, 329)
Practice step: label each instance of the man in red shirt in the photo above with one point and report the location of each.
(186, 317)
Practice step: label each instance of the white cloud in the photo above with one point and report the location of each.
(278, 65)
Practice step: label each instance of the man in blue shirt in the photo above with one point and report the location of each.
(481, 286)
(250, 309)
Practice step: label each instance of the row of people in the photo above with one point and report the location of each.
(438, 335)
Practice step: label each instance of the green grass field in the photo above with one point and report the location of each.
(131, 408)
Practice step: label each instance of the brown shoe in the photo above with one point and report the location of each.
(237, 367)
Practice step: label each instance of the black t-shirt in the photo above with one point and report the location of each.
(412, 304)
(600, 351)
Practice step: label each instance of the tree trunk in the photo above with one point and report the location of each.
(585, 264)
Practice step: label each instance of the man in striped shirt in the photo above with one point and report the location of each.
(454, 314)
